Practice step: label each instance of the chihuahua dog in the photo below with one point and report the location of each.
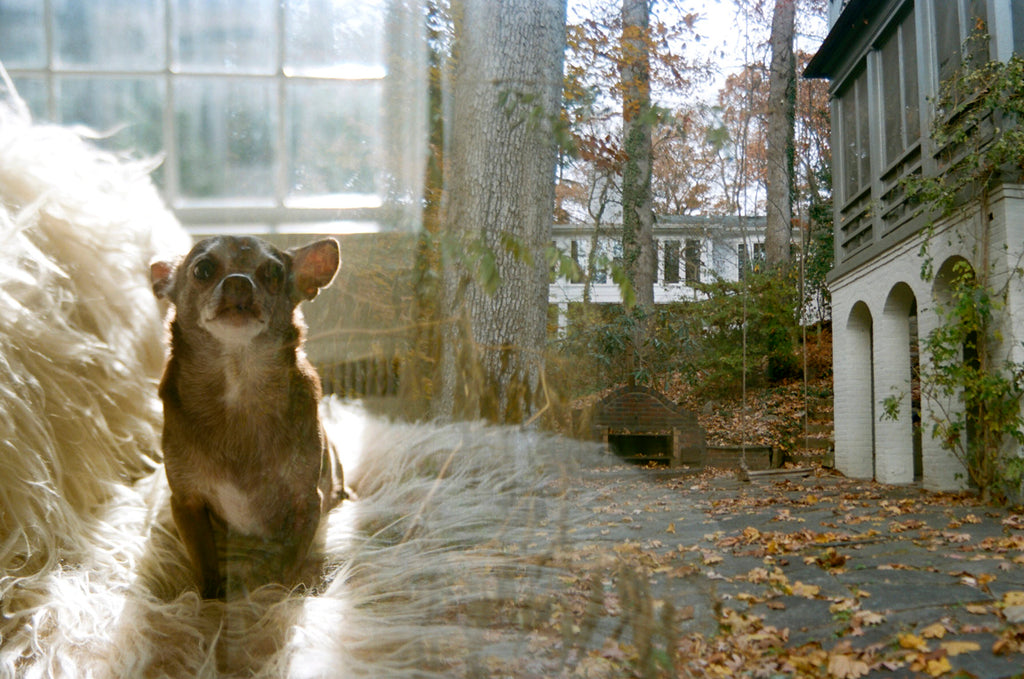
(244, 448)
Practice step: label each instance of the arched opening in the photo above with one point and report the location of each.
(898, 441)
(854, 395)
(914, 347)
(953, 270)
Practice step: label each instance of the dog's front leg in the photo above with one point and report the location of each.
(192, 517)
(303, 525)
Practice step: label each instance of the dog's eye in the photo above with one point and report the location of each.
(273, 274)
(203, 270)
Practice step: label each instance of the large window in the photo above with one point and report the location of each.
(956, 23)
(855, 137)
(693, 248)
(267, 112)
(671, 273)
(898, 67)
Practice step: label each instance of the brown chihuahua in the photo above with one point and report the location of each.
(244, 448)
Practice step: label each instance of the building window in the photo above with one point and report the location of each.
(743, 260)
(855, 146)
(671, 274)
(898, 68)
(759, 257)
(692, 261)
(270, 114)
(956, 22)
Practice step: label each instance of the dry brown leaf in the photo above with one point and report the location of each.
(806, 591)
(1013, 599)
(936, 667)
(868, 618)
(913, 642)
(955, 648)
(842, 666)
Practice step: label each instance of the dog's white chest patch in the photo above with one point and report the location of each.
(243, 380)
(234, 387)
(234, 507)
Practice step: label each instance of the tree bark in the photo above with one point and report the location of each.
(638, 249)
(500, 197)
(781, 117)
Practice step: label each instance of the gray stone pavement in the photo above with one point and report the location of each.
(813, 575)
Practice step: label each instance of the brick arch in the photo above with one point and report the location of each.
(941, 285)
(897, 452)
(945, 470)
(854, 402)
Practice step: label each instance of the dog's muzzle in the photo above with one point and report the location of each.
(237, 293)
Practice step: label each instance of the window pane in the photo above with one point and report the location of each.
(671, 261)
(218, 35)
(333, 137)
(892, 97)
(850, 153)
(912, 108)
(22, 37)
(330, 35)
(33, 91)
(977, 29)
(947, 37)
(110, 34)
(863, 130)
(226, 141)
(129, 110)
(693, 261)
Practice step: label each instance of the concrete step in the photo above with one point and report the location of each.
(814, 443)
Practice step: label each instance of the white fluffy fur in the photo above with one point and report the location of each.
(80, 338)
(446, 539)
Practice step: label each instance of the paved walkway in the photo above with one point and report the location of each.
(790, 576)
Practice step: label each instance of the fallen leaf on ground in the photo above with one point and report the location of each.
(806, 591)
(842, 666)
(938, 666)
(954, 648)
(1013, 599)
(913, 642)
(868, 618)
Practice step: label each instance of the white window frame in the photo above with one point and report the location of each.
(405, 44)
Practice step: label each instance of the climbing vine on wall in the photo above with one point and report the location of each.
(978, 141)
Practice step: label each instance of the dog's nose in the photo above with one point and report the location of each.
(237, 290)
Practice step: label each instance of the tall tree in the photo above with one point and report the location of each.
(638, 245)
(639, 253)
(781, 116)
(500, 195)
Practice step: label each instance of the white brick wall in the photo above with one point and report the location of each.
(871, 355)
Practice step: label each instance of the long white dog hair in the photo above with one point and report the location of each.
(80, 335)
(440, 568)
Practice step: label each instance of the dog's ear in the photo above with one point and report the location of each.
(161, 274)
(314, 267)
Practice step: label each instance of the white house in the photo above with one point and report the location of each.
(691, 249)
(885, 60)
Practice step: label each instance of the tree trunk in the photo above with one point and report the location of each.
(500, 197)
(781, 116)
(638, 248)
(638, 251)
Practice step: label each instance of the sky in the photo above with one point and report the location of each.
(731, 39)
